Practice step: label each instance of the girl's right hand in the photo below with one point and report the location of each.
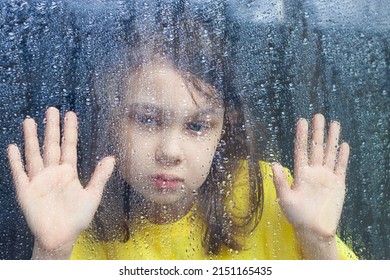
(56, 206)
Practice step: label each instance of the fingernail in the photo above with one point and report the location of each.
(113, 160)
(11, 146)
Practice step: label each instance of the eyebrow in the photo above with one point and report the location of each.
(148, 107)
(144, 107)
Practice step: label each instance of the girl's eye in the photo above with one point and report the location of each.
(147, 120)
(197, 126)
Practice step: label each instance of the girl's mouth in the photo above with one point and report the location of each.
(166, 182)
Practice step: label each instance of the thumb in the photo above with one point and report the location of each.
(280, 180)
(19, 175)
(100, 176)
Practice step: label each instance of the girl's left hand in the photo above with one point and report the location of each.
(314, 202)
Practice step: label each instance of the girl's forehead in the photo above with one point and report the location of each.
(163, 85)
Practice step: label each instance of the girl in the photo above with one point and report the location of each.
(187, 184)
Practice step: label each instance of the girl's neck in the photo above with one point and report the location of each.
(167, 213)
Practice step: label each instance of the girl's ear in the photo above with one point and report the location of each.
(231, 118)
(234, 117)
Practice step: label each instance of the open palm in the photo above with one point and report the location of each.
(56, 206)
(314, 202)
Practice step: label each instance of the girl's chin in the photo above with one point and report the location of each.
(180, 200)
(166, 199)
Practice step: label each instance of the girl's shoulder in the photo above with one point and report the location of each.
(241, 178)
(265, 168)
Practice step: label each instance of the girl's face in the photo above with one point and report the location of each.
(169, 135)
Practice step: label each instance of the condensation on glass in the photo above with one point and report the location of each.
(291, 59)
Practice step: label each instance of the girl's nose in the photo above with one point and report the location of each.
(169, 151)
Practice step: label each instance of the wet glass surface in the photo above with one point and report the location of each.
(291, 59)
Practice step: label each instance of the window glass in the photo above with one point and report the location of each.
(283, 60)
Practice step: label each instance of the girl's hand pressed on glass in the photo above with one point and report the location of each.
(56, 206)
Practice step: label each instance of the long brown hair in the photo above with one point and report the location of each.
(204, 62)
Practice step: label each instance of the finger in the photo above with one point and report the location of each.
(69, 141)
(100, 176)
(34, 162)
(342, 161)
(332, 145)
(317, 143)
(52, 151)
(300, 146)
(280, 181)
(19, 175)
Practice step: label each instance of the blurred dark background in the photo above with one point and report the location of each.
(291, 58)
